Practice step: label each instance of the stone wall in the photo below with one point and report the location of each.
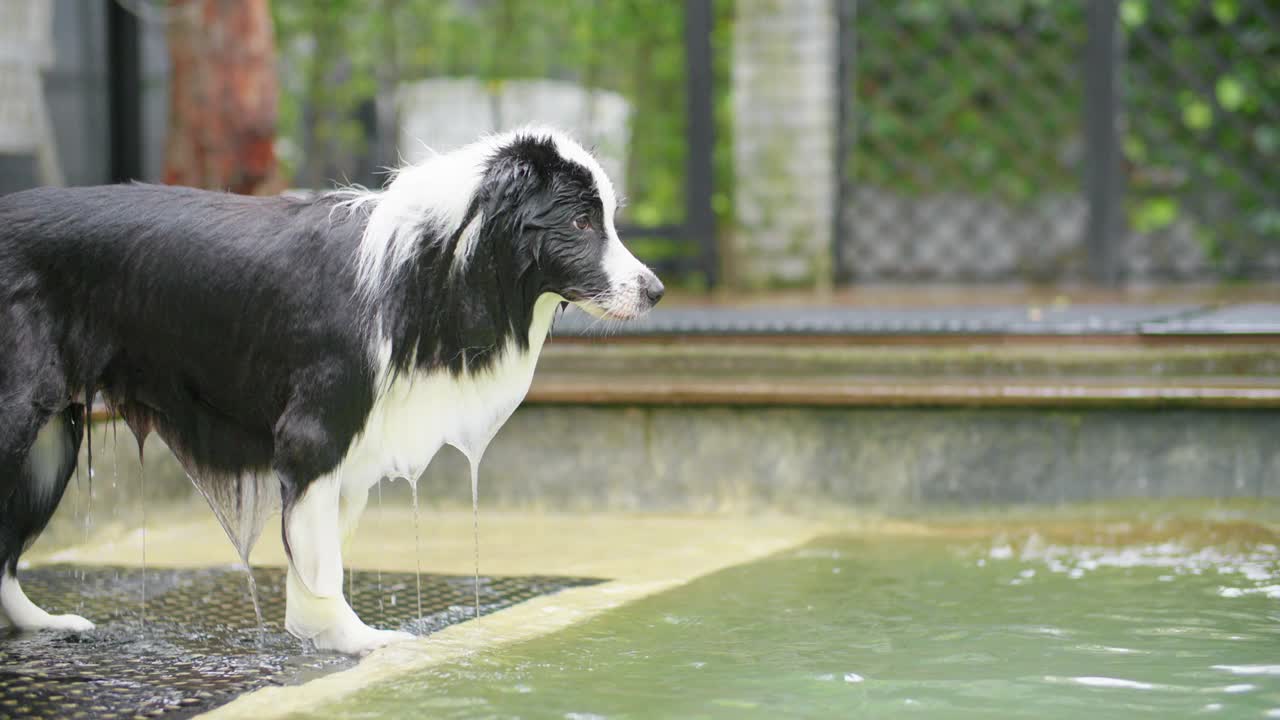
(893, 460)
(791, 459)
(784, 140)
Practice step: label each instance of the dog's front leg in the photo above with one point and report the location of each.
(315, 608)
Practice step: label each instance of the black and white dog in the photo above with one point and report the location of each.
(297, 348)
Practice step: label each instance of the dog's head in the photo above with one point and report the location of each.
(549, 201)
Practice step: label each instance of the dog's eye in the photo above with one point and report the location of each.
(582, 222)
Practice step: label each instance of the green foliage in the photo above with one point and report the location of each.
(986, 98)
(1203, 137)
(963, 96)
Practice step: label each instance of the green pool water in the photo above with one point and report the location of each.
(894, 627)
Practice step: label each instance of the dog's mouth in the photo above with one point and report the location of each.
(611, 311)
(628, 300)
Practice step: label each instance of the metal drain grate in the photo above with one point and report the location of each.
(200, 646)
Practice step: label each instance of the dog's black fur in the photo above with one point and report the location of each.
(234, 328)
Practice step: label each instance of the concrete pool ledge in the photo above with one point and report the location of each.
(531, 619)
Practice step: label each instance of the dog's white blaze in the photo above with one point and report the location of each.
(622, 267)
(572, 151)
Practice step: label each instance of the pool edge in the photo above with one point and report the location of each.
(534, 618)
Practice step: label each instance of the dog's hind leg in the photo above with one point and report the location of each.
(38, 472)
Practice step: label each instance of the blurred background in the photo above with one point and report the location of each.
(809, 144)
(988, 291)
(1058, 221)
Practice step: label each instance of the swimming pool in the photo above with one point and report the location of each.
(1145, 623)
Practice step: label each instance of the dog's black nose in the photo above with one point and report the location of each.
(653, 288)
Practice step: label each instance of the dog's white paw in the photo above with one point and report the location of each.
(358, 640)
(68, 622)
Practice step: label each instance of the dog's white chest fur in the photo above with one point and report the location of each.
(418, 414)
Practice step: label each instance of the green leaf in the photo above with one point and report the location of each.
(1196, 114)
(1133, 12)
(1134, 149)
(1155, 213)
(1230, 93)
(1226, 11)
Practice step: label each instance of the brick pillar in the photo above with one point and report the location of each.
(784, 65)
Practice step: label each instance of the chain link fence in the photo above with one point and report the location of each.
(1201, 137)
(1029, 140)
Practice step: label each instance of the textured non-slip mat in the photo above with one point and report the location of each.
(199, 645)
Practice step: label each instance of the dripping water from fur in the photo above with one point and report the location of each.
(115, 468)
(88, 511)
(242, 503)
(253, 595)
(142, 504)
(75, 509)
(243, 545)
(474, 453)
(417, 547)
(88, 472)
(475, 525)
(382, 611)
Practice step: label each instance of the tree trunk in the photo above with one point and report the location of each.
(222, 104)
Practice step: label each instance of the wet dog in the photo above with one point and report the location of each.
(292, 350)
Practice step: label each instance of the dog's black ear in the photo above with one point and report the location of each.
(507, 187)
(519, 170)
(509, 198)
(536, 152)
